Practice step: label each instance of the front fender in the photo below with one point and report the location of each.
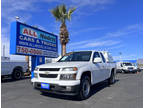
(82, 70)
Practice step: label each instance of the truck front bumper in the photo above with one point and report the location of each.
(57, 89)
(66, 87)
(130, 71)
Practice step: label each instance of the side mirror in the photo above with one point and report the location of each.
(97, 60)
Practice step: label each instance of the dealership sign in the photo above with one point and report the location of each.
(28, 40)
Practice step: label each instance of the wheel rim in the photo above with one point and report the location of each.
(86, 88)
(17, 74)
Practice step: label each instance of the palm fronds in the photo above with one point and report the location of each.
(61, 14)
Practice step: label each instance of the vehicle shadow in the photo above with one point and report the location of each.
(7, 80)
(94, 89)
(98, 87)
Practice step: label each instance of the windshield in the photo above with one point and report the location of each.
(76, 56)
(127, 64)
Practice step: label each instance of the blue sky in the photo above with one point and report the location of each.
(112, 25)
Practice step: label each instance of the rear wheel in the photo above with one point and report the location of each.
(85, 87)
(17, 74)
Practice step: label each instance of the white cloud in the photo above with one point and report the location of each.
(134, 26)
(81, 3)
(118, 33)
(126, 57)
(130, 29)
(115, 47)
(90, 29)
(78, 43)
(93, 44)
(125, 31)
(104, 41)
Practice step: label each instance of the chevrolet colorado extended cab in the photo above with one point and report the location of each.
(75, 73)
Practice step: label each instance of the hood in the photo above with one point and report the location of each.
(63, 64)
(126, 67)
(130, 66)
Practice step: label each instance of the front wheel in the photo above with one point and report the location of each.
(85, 87)
(111, 80)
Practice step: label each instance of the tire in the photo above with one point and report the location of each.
(85, 88)
(122, 71)
(111, 80)
(43, 92)
(17, 74)
(2, 78)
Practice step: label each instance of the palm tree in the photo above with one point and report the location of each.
(61, 14)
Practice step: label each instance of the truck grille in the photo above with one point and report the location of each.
(130, 68)
(48, 75)
(49, 69)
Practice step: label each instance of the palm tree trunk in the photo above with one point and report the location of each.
(64, 38)
(63, 49)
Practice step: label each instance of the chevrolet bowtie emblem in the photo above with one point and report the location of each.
(47, 73)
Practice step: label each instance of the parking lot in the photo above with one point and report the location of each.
(127, 92)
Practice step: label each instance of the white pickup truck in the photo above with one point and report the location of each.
(12, 68)
(75, 73)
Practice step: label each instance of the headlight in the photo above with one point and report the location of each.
(68, 77)
(70, 69)
(35, 75)
(36, 69)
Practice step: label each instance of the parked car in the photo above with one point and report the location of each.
(125, 67)
(75, 73)
(12, 68)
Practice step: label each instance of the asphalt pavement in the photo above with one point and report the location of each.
(127, 92)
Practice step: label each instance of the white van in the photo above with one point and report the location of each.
(124, 67)
(12, 68)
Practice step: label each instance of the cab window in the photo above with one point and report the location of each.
(103, 57)
(96, 54)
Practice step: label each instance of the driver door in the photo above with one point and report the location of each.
(97, 69)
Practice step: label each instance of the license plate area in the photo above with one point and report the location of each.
(45, 86)
(130, 69)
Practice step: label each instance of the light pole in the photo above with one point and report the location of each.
(17, 18)
(120, 53)
(26, 57)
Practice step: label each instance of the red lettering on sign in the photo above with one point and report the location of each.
(25, 32)
(29, 32)
(34, 34)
